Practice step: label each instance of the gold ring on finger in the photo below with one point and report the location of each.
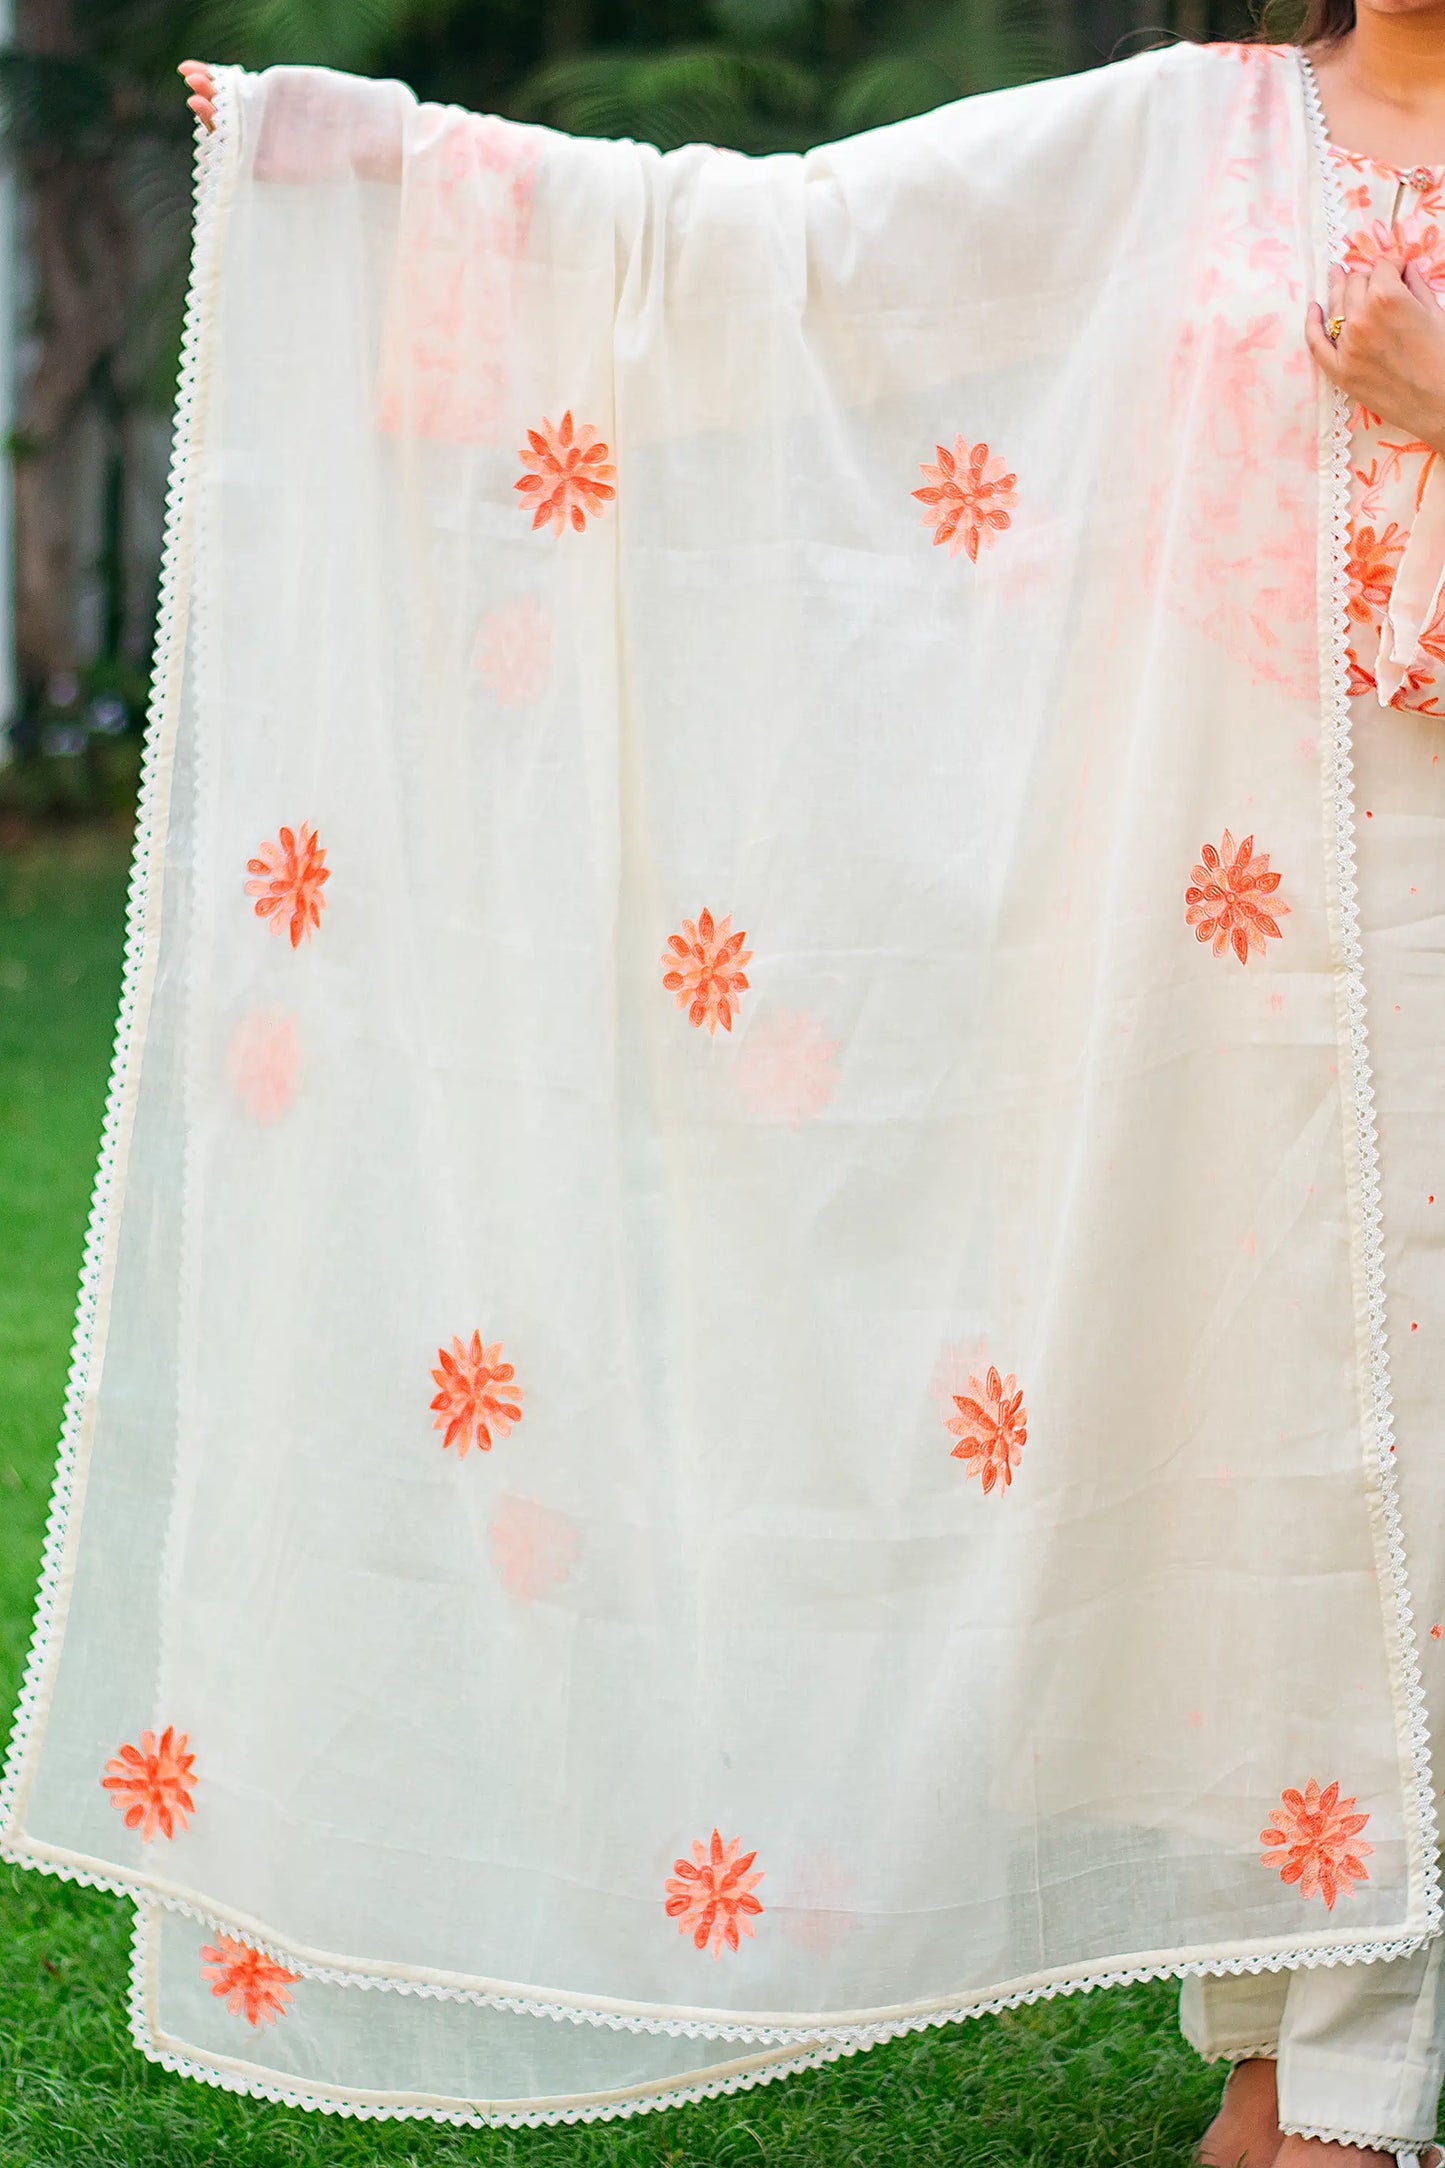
(1335, 326)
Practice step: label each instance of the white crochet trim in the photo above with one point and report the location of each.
(240, 2078)
(1408, 2152)
(214, 164)
(1421, 1825)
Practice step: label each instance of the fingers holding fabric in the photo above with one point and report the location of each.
(201, 84)
(1389, 354)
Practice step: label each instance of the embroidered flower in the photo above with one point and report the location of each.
(968, 498)
(292, 874)
(1315, 1841)
(785, 1066)
(477, 1395)
(261, 1062)
(991, 1427)
(151, 1783)
(702, 968)
(514, 651)
(568, 475)
(710, 1895)
(534, 1547)
(1223, 902)
(252, 1984)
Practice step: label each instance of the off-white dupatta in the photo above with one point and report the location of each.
(731, 1380)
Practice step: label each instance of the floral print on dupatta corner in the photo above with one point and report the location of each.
(711, 1895)
(1314, 1840)
(254, 1987)
(151, 1783)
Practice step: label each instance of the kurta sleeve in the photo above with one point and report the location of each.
(1416, 596)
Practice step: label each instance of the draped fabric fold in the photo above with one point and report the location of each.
(732, 1391)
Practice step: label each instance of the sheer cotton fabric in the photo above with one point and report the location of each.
(734, 1389)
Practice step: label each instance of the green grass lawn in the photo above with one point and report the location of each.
(1088, 2081)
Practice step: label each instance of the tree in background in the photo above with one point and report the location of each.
(97, 129)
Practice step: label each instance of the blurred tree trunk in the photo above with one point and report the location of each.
(81, 255)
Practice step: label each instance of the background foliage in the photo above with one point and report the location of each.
(96, 128)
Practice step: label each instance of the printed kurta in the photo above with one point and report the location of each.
(1397, 492)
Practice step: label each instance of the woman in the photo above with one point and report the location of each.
(1343, 2065)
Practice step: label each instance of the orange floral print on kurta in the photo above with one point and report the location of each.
(151, 1783)
(1370, 570)
(568, 475)
(991, 1427)
(291, 873)
(1224, 903)
(702, 969)
(1314, 1839)
(967, 497)
(477, 1395)
(710, 1895)
(1411, 239)
(254, 1986)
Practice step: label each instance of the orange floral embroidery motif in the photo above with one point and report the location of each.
(251, 1983)
(1315, 1841)
(991, 1427)
(477, 1395)
(703, 968)
(292, 872)
(1223, 903)
(710, 1895)
(968, 497)
(568, 475)
(152, 1782)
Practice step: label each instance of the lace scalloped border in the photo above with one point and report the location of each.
(1408, 2152)
(322, 2099)
(1422, 1828)
(213, 166)
(1120, 1971)
(214, 163)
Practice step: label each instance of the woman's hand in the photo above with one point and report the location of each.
(1390, 354)
(203, 90)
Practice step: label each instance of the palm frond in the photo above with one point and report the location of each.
(754, 22)
(953, 52)
(317, 33)
(690, 94)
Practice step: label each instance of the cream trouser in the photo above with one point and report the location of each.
(1359, 2049)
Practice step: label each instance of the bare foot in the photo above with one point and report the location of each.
(1245, 2133)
